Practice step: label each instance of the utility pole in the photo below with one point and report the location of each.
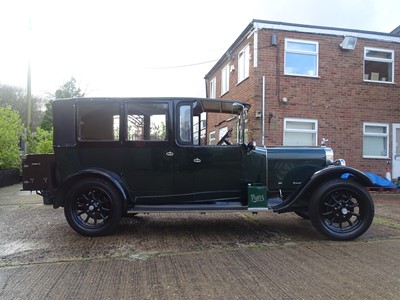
(28, 88)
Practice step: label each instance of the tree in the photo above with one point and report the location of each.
(15, 97)
(41, 141)
(68, 90)
(11, 129)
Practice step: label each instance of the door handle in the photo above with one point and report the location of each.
(197, 160)
(169, 153)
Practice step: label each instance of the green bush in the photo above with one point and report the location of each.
(11, 129)
(41, 141)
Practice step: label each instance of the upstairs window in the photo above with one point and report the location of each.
(301, 58)
(225, 80)
(146, 121)
(212, 88)
(378, 65)
(300, 132)
(376, 140)
(243, 63)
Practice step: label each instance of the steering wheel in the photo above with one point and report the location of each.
(224, 139)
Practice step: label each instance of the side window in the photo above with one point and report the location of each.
(243, 63)
(213, 93)
(146, 121)
(185, 124)
(376, 140)
(300, 132)
(212, 138)
(378, 65)
(225, 80)
(98, 121)
(301, 58)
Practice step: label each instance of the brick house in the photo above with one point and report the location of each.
(309, 83)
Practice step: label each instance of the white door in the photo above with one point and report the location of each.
(396, 151)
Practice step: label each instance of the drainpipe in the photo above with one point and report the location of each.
(263, 113)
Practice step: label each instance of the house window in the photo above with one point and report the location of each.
(225, 80)
(378, 65)
(243, 63)
(222, 132)
(301, 58)
(212, 138)
(212, 88)
(300, 132)
(375, 140)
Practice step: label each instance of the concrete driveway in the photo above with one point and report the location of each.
(194, 256)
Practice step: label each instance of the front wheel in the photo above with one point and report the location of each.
(341, 209)
(93, 207)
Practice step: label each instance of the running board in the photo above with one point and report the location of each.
(217, 206)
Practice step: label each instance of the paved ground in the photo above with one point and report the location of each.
(194, 256)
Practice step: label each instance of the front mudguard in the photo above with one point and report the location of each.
(301, 195)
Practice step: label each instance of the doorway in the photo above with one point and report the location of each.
(396, 151)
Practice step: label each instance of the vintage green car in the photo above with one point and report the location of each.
(119, 156)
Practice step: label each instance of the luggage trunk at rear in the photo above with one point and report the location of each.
(38, 172)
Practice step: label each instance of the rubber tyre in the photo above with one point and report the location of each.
(93, 207)
(341, 209)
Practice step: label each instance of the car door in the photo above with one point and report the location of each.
(217, 172)
(148, 156)
(202, 172)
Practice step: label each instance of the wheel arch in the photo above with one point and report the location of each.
(301, 195)
(107, 175)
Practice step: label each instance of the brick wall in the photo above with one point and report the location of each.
(339, 98)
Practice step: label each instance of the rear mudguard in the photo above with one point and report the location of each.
(301, 195)
(112, 177)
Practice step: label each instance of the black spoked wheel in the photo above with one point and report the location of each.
(93, 207)
(341, 210)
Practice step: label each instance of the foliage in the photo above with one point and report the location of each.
(41, 141)
(16, 98)
(47, 121)
(68, 90)
(11, 130)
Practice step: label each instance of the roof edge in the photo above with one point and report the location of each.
(257, 24)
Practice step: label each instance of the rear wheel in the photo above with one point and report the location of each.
(93, 207)
(341, 209)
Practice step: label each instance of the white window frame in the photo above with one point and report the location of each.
(213, 86)
(225, 80)
(211, 139)
(375, 134)
(313, 131)
(377, 59)
(244, 63)
(304, 52)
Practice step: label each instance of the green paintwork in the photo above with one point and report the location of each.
(170, 172)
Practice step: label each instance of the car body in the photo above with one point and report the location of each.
(114, 156)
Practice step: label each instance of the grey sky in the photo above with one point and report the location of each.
(139, 48)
